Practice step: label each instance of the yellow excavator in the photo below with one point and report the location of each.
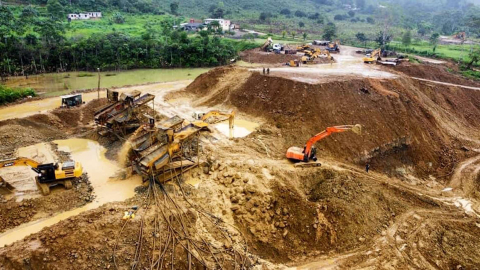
(374, 56)
(312, 55)
(48, 174)
(201, 119)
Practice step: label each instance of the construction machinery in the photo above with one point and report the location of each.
(71, 100)
(311, 55)
(267, 44)
(309, 151)
(373, 56)
(460, 35)
(293, 63)
(333, 47)
(303, 47)
(48, 174)
(164, 151)
(122, 113)
(202, 119)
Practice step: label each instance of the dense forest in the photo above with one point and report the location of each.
(33, 42)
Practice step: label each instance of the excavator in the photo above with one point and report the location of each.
(374, 56)
(201, 119)
(48, 174)
(309, 151)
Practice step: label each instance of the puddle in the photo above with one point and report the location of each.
(241, 128)
(100, 170)
(39, 106)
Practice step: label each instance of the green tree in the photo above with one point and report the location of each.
(362, 38)
(383, 39)
(174, 8)
(284, 33)
(55, 10)
(351, 13)
(407, 38)
(293, 33)
(330, 31)
(434, 39)
(118, 18)
(474, 56)
(304, 36)
(301, 24)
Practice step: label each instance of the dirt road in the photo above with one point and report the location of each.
(348, 65)
(448, 84)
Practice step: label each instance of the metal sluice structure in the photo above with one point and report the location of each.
(166, 150)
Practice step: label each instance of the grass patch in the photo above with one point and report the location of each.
(110, 74)
(471, 74)
(8, 95)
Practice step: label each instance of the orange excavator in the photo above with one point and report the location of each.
(309, 152)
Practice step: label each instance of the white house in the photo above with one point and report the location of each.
(225, 24)
(85, 16)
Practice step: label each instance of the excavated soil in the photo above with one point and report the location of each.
(408, 126)
(16, 213)
(58, 124)
(270, 58)
(256, 210)
(442, 73)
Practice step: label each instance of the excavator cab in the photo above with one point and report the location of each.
(46, 172)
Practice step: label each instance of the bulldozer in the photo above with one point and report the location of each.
(333, 47)
(309, 152)
(293, 63)
(303, 47)
(48, 174)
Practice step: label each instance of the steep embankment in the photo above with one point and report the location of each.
(409, 126)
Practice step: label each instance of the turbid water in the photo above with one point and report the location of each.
(241, 128)
(55, 84)
(100, 171)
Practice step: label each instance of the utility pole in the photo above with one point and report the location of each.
(98, 89)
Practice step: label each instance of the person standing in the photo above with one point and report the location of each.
(367, 167)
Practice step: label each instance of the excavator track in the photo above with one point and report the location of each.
(44, 188)
(307, 164)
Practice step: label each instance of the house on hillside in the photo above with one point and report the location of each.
(224, 24)
(84, 16)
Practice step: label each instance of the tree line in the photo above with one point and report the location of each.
(33, 44)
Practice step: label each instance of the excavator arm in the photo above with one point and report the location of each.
(21, 161)
(309, 151)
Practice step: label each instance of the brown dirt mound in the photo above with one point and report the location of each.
(270, 58)
(407, 125)
(433, 72)
(15, 213)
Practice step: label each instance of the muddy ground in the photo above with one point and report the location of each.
(246, 206)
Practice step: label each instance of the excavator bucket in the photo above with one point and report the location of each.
(5, 187)
(357, 129)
